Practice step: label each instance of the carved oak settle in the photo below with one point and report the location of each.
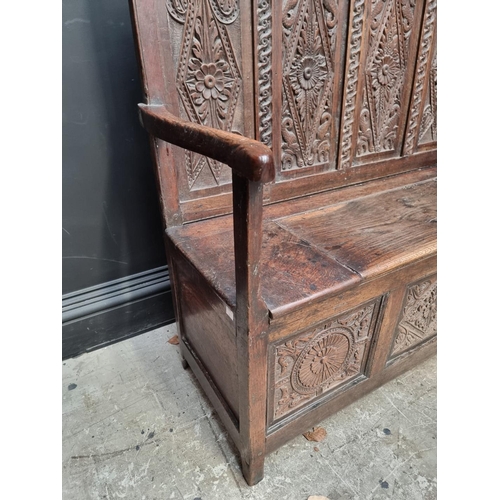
(300, 207)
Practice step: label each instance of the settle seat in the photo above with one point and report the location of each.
(295, 152)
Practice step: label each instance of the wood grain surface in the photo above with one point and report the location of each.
(317, 252)
(295, 146)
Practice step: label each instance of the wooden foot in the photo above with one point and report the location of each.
(184, 363)
(253, 472)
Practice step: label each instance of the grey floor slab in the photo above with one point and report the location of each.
(137, 426)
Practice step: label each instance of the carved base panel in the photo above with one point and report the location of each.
(418, 319)
(314, 363)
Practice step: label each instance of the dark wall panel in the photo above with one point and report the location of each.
(111, 219)
(111, 223)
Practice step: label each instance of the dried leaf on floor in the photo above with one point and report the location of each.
(174, 340)
(317, 434)
(317, 497)
(316, 448)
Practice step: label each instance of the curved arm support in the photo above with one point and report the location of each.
(250, 159)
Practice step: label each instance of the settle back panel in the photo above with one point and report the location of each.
(342, 91)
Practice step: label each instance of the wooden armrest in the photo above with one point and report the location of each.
(250, 159)
(253, 165)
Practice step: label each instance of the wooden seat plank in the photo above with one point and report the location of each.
(320, 250)
(376, 233)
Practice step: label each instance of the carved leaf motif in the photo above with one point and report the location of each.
(358, 321)
(419, 317)
(264, 69)
(309, 39)
(407, 15)
(390, 27)
(177, 9)
(331, 9)
(428, 121)
(289, 13)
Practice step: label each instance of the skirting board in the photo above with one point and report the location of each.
(104, 314)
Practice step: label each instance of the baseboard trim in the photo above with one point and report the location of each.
(101, 315)
(77, 305)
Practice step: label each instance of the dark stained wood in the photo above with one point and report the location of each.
(298, 378)
(373, 234)
(251, 324)
(312, 416)
(292, 271)
(309, 99)
(213, 393)
(325, 198)
(295, 320)
(169, 67)
(295, 153)
(379, 111)
(417, 321)
(319, 252)
(310, 185)
(250, 159)
(421, 129)
(208, 330)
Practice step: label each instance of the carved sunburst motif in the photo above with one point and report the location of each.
(323, 360)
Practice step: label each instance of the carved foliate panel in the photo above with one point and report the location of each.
(378, 71)
(264, 70)
(387, 60)
(428, 124)
(316, 362)
(208, 80)
(418, 320)
(422, 121)
(353, 71)
(310, 36)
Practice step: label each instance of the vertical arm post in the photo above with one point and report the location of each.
(251, 325)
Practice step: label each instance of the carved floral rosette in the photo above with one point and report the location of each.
(378, 68)
(319, 360)
(391, 23)
(422, 119)
(208, 77)
(418, 318)
(309, 37)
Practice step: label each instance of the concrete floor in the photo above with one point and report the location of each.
(137, 426)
